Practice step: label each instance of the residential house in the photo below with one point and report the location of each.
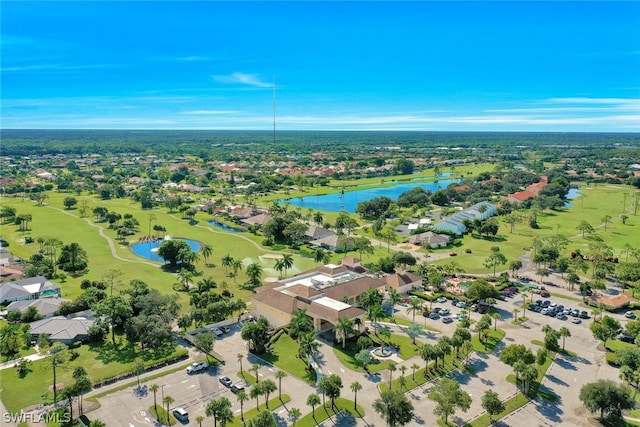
(46, 307)
(27, 289)
(402, 281)
(430, 239)
(61, 329)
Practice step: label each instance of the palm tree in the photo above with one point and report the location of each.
(307, 344)
(295, 414)
(168, 400)
(227, 261)
(255, 392)
(185, 276)
(343, 329)
(564, 333)
(376, 313)
(254, 273)
(415, 306)
(496, 316)
(154, 388)
(427, 352)
(279, 266)
(255, 368)
(319, 255)
(313, 400)
(394, 298)
(242, 397)
(268, 387)
(355, 388)
(392, 368)
(287, 263)
(357, 322)
(413, 371)
(240, 356)
(199, 420)
(206, 251)
(280, 374)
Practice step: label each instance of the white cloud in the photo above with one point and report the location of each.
(242, 78)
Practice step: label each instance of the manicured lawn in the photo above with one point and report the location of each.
(599, 201)
(493, 338)
(422, 376)
(615, 345)
(510, 405)
(100, 361)
(283, 355)
(274, 403)
(53, 221)
(323, 413)
(161, 415)
(347, 355)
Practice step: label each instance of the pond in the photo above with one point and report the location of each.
(149, 249)
(573, 193)
(224, 227)
(348, 201)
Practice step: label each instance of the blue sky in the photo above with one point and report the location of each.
(468, 66)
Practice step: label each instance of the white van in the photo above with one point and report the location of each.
(181, 414)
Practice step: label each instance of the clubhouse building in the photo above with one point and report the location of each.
(327, 293)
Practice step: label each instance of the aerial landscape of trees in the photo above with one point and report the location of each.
(76, 227)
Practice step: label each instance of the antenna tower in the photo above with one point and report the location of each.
(274, 109)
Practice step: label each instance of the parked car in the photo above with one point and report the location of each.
(217, 331)
(544, 311)
(461, 304)
(444, 312)
(546, 303)
(225, 329)
(576, 320)
(630, 315)
(226, 381)
(461, 316)
(575, 312)
(181, 414)
(625, 338)
(584, 315)
(441, 300)
(545, 294)
(561, 316)
(197, 367)
(433, 315)
(237, 387)
(447, 319)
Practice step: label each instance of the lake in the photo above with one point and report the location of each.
(149, 250)
(337, 202)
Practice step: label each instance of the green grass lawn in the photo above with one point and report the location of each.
(423, 375)
(510, 405)
(347, 354)
(53, 221)
(274, 403)
(100, 361)
(493, 338)
(283, 354)
(323, 413)
(599, 201)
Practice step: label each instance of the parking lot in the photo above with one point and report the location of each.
(564, 378)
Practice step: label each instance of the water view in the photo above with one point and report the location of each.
(224, 227)
(573, 193)
(149, 249)
(348, 201)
